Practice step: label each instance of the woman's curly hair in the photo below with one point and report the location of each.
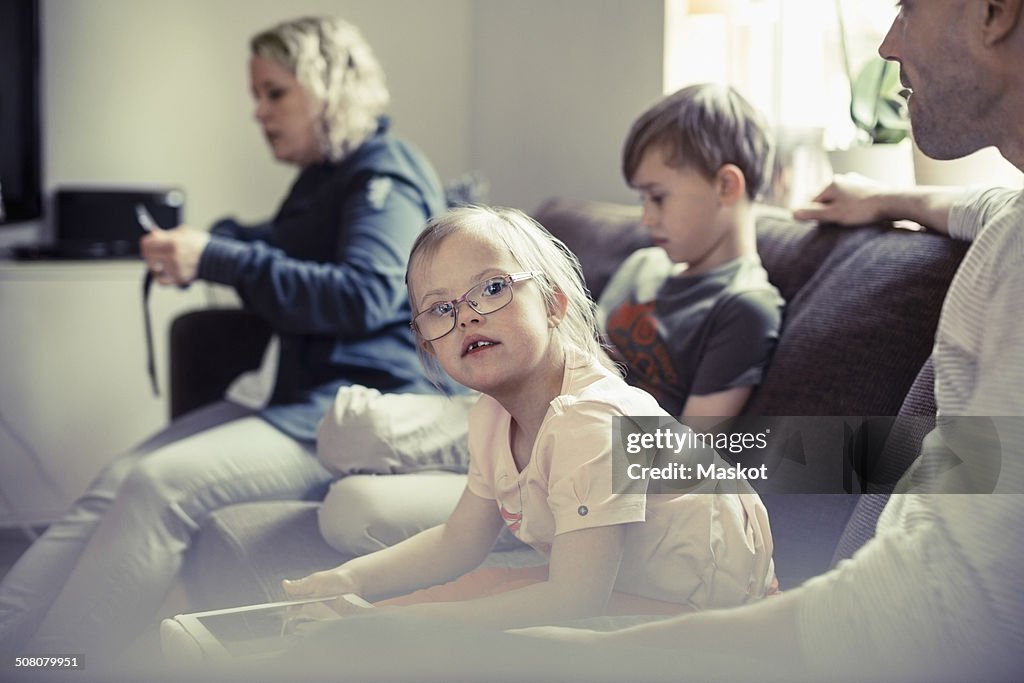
(332, 60)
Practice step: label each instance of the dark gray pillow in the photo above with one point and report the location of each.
(856, 334)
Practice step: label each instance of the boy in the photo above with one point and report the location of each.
(694, 318)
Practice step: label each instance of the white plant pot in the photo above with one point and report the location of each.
(889, 164)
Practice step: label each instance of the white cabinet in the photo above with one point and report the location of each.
(74, 391)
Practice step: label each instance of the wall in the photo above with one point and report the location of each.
(556, 85)
(151, 91)
(536, 95)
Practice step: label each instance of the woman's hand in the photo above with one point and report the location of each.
(850, 199)
(173, 255)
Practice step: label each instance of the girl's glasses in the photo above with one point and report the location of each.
(485, 298)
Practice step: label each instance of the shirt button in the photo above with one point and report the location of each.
(583, 510)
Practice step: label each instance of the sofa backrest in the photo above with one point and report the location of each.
(862, 303)
(601, 234)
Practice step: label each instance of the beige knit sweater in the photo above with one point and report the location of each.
(938, 593)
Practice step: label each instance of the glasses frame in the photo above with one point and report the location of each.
(509, 278)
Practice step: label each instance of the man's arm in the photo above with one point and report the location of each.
(851, 199)
(895, 611)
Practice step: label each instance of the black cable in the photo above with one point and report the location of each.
(147, 285)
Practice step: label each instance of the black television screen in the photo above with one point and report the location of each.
(21, 191)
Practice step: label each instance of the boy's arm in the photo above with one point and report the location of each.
(851, 199)
(743, 333)
(431, 557)
(726, 403)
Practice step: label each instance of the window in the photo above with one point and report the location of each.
(786, 56)
(789, 58)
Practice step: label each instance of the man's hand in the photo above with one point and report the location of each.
(173, 255)
(850, 199)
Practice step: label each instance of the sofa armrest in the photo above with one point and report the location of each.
(243, 551)
(208, 350)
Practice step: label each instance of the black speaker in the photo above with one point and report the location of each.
(103, 223)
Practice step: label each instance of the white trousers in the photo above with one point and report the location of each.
(95, 579)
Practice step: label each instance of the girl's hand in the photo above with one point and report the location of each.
(850, 199)
(326, 583)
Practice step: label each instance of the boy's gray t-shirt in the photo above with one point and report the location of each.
(682, 335)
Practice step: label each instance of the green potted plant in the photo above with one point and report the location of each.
(878, 105)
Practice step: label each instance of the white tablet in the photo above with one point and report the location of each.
(250, 631)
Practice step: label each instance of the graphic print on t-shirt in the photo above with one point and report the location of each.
(633, 330)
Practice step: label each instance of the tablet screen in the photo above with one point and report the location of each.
(263, 630)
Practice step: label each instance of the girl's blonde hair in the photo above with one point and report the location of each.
(534, 248)
(332, 60)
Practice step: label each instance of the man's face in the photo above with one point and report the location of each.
(952, 95)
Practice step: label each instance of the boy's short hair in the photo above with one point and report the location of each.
(704, 127)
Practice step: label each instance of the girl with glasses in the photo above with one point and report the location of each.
(499, 305)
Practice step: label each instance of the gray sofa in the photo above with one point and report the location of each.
(862, 308)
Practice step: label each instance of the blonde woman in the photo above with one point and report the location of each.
(325, 273)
